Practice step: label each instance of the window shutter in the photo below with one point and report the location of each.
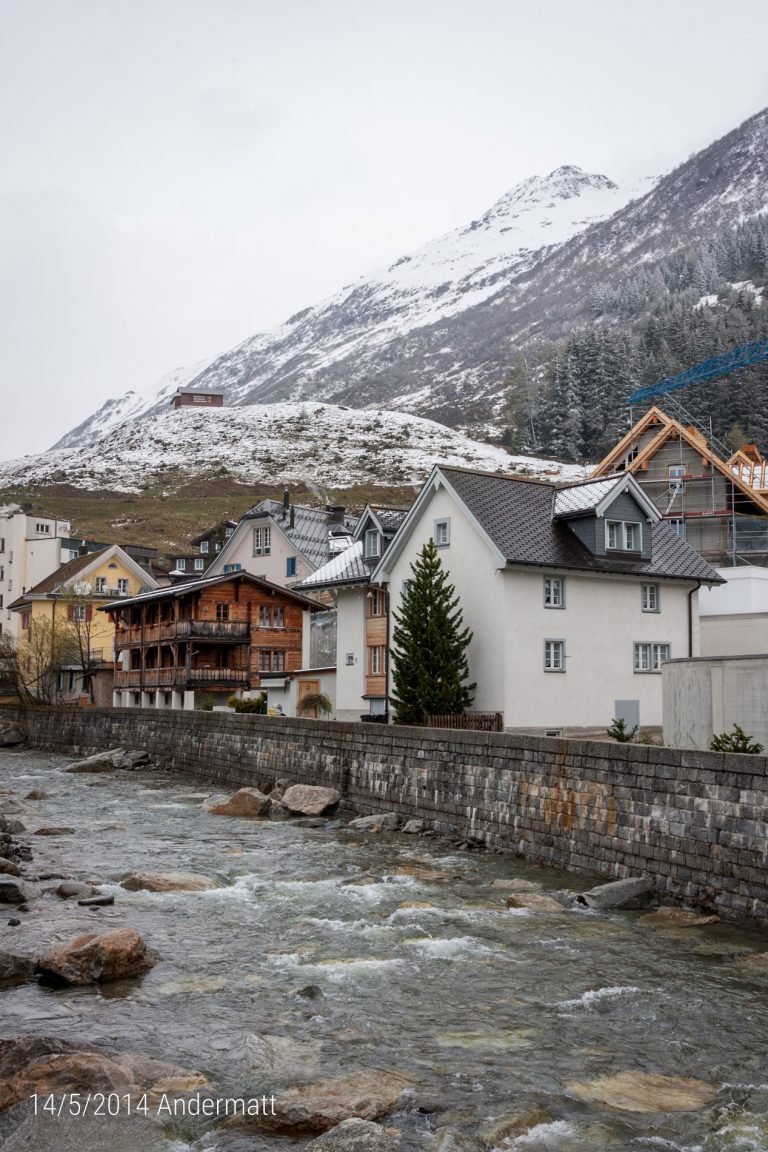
(70, 612)
(88, 612)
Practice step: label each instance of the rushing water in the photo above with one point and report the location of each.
(488, 1010)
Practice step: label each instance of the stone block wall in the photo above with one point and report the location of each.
(694, 821)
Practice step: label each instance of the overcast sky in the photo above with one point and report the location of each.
(176, 175)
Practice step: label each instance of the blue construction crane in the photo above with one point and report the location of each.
(741, 357)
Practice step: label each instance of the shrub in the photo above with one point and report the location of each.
(255, 704)
(315, 702)
(207, 704)
(735, 741)
(618, 731)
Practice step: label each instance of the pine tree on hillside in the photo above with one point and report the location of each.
(429, 653)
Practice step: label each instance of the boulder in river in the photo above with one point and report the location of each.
(516, 884)
(72, 888)
(536, 901)
(8, 868)
(168, 882)
(644, 1092)
(355, 1135)
(15, 968)
(413, 827)
(100, 762)
(633, 892)
(10, 736)
(93, 959)
(15, 891)
(367, 1094)
(378, 822)
(54, 830)
(37, 794)
(245, 802)
(310, 799)
(11, 826)
(514, 1124)
(677, 918)
(451, 1140)
(130, 759)
(58, 1067)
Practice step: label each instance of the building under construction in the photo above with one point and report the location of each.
(719, 505)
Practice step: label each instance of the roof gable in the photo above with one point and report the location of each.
(89, 565)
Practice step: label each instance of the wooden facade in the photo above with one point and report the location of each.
(376, 642)
(221, 635)
(193, 399)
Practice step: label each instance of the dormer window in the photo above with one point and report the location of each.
(372, 544)
(204, 546)
(262, 541)
(623, 536)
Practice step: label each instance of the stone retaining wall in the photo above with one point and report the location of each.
(694, 821)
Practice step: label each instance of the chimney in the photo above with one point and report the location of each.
(286, 502)
(336, 512)
(293, 517)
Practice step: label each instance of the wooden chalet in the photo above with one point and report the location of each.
(206, 639)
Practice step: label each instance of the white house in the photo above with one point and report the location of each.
(734, 617)
(362, 636)
(575, 594)
(31, 547)
(284, 542)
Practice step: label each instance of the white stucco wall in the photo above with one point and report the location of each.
(350, 638)
(746, 590)
(601, 621)
(239, 550)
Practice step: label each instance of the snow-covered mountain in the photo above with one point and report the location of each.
(435, 332)
(320, 445)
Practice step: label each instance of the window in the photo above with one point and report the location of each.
(122, 586)
(26, 619)
(623, 535)
(204, 545)
(101, 583)
(350, 659)
(676, 472)
(231, 567)
(270, 661)
(222, 611)
(44, 529)
(678, 525)
(181, 565)
(290, 565)
(262, 541)
(371, 543)
(554, 592)
(649, 597)
(376, 660)
(1, 602)
(2, 572)
(554, 655)
(199, 564)
(278, 617)
(442, 533)
(79, 612)
(405, 588)
(2, 544)
(265, 616)
(376, 602)
(648, 657)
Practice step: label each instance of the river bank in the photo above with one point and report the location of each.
(324, 953)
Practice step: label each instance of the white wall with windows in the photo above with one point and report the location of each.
(554, 649)
(262, 549)
(351, 653)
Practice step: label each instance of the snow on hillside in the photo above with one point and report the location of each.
(443, 278)
(320, 444)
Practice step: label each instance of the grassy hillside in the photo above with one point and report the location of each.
(169, 521)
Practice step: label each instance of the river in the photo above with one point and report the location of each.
(488, 1010)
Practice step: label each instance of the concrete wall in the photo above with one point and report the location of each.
(705, 697)
(693, 821)
(734, 616)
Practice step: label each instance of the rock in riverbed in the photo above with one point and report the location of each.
(378, 822)
(536, 901)
(71, 888)
(168, 882)
(10, 736)
(634, 892)
(677, 918)
(370, 1093)
(11, 826)
(356, 1135)
(245, 802)
(309, 799)
(93, 959)
(100, 762)
(13, 891)
(45, 1066)
(15, 968)
(644, 1092)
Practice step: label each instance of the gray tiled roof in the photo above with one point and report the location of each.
(579, 498)
(310, 529)
(517, 515)
(348, 567)
(389, 518)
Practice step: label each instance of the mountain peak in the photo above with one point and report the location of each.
(563, 183)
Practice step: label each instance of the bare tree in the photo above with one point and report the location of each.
(33, 662)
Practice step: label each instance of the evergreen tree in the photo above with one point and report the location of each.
(429, 653)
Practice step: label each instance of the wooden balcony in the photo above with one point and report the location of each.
(181, 677)
(172, 630)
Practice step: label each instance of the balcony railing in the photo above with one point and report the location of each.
(182, 630)
(168, 677)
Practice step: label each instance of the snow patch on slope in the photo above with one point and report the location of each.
(322, 444)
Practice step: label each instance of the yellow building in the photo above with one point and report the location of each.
(66, 647)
